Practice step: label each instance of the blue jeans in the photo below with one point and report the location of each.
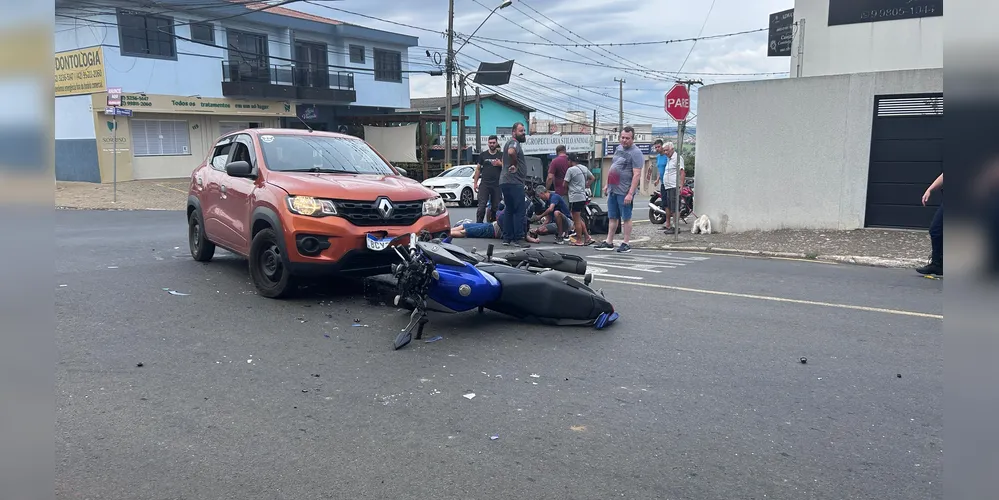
(513, 215)
(479, 230)
(616, 209)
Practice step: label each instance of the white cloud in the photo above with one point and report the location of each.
(598, 21)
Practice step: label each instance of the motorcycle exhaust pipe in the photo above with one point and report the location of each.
(657, 208)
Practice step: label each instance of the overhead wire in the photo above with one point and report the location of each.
(625, 44)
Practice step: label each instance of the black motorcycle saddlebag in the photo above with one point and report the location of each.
(565, 262)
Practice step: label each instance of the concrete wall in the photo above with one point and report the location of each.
(371, 92)
(75, 140)
(864, 47)
(493, 114)
(792, 153)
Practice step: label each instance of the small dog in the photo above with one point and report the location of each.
(701, 225)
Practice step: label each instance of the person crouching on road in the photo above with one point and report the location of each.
(578, 181)
(558, 208)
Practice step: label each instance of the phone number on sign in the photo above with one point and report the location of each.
(80, 75)
(896, 12)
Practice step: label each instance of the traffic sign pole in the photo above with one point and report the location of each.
(677, 105)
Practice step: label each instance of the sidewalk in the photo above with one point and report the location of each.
(873, 247)
(160, 194)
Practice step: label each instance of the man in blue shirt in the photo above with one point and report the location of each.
(558, 208)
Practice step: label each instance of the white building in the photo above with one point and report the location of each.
(851, 142)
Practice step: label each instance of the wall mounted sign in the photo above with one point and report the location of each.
(781, 33)
(871, 11)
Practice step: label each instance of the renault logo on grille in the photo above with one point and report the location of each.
(384, 207)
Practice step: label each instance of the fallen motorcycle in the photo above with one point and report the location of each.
(431, 277)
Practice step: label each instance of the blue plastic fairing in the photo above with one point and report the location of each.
(446, 290)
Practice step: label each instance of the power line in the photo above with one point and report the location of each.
(310, 2)
(332, 49)
(626, 44)
(612, 54)
(234, 50)
(699, 33)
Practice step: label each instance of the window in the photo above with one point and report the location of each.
(243, 150)
(305, 153)
(220, 156)
(248, 57)
(144, 35)
(230, 127)
(203, 32)
(160, 138)
(357, 54)
(388, 66)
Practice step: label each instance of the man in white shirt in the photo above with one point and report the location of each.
(669, 185)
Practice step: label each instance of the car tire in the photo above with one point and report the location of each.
(467, 198)
(268, 270)
(202, 250)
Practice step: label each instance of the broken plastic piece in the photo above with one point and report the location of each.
(175, 292)
(803, 360)
(494, 438)
(140, 365)
(469, 396)
(535, 375)
(435, 339)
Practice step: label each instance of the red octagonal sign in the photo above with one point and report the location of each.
(678, 102)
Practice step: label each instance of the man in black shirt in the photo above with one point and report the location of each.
(487, 172)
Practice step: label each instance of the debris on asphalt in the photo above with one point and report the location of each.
(139, 364)
(305, 390)
(803, 360)
(899, 375)
(63, 286)
(175, 292)
(535, 375)
(112, 267)
(360, 325)
(469, 396)
(435, 339)
(493, 438)
(315, 375)
(302, 320)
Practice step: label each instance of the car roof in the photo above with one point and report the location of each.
(292, 131)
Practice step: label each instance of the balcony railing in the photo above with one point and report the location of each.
(286, 75)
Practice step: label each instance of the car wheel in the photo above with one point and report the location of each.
(656, 217)
(268, 271)
(467, 198)
(201, 249)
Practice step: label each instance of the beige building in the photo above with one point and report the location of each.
(168, 136)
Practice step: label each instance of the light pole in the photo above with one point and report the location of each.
(450, 65)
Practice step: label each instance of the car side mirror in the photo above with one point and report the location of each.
(239, 169)
(403, 172)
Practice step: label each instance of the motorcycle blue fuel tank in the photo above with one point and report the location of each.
(462, 288)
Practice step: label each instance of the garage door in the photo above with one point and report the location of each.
(906, 156)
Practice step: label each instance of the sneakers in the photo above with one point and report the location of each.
(603, 245)
(624, 248)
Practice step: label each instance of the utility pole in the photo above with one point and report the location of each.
(681, 128)
(620, 110)
(478, 123)
(450, 75)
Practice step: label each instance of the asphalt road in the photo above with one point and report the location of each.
(697, 392)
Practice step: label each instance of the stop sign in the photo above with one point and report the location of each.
(678, 102)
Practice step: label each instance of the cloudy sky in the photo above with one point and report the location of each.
(555, 79)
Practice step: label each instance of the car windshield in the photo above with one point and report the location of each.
(454, 172)
(304, 153)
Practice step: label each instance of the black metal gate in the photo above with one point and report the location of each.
(906, 156)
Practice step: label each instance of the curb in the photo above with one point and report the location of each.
(861, 260)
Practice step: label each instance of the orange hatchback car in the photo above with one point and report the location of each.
(298, 202)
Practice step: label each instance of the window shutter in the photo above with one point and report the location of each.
(160, 138)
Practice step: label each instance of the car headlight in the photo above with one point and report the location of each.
(311, 207)
(434, 206)
(451, 186)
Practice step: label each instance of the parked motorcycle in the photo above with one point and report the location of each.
(431, 277)
(657, 215)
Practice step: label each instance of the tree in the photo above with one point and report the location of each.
(688, 162)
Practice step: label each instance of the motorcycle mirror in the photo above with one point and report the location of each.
(489, 251)
(588, 279)
(412, 241)
(474, 250)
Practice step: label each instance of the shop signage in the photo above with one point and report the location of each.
(781, 33)
(538, 144)
(610, 148)
(871, 11)
(79, 71)
(153, 103)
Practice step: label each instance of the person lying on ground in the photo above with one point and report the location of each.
(487, 230)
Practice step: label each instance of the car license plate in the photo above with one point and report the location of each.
(377, 244)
